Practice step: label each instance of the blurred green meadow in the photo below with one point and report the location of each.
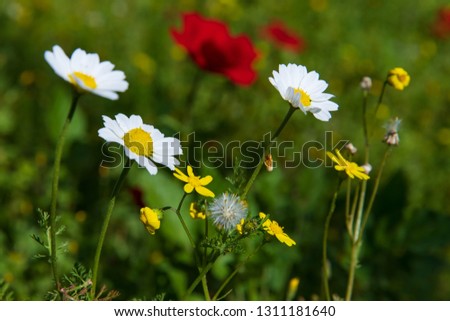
(406, 249)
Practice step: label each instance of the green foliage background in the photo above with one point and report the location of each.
(406, 251)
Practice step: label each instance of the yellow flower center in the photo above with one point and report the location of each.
(194, 181)
(304, 97)
(139, 142)
(353, 167)
(275, 228)
(87, 80)
(402, 78)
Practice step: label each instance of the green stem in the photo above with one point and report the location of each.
(347, 205)
(266, 148)
(365, 128)
(351, 275)
(183, 223)
(350, 224)
(380, 98)
(104, 229)
(355, 239)
(199, 278)
(375, 190)
(194, 247)
(204, 280)
(359, 228)
(324, 242)
(236, 270)
(55, 182)
(356, 235)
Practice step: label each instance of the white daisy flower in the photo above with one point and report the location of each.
(86, 73)
(143, 143)
(304, 90)
(227, 211)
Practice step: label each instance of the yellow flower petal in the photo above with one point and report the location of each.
(180, 175)
(204, 191)
(206, 180)
(333, 158)
(190, 171)
(188, 188)
(284, 238)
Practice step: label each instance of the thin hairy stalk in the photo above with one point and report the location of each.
(104, 229)
(55, 184)
(324, 242)
(266, 147)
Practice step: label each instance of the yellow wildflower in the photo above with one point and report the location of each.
(351, 169)
(273, 228)
(194, 182)
(398, 78)
(151, 219)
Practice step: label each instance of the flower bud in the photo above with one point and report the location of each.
(269, 162)
(391, 138)
(351, 148)
(367, 168)
(151, 219)
(195, 212)
(366, 83)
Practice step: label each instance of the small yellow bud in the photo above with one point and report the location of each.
(292, 288)
(151, 219)
(195, 212)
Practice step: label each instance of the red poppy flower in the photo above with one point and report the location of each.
(283, 37)
(441, 26)
(212, 48)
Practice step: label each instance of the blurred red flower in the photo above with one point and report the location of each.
(209, 43)
(287, 39)
(138, 196)
(441, 26)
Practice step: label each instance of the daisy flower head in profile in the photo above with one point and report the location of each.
(304, 90)
(86, 73)
(141, 142)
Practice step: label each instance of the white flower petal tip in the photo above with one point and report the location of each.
(141, 142)
(86, 73)
(303, 90)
